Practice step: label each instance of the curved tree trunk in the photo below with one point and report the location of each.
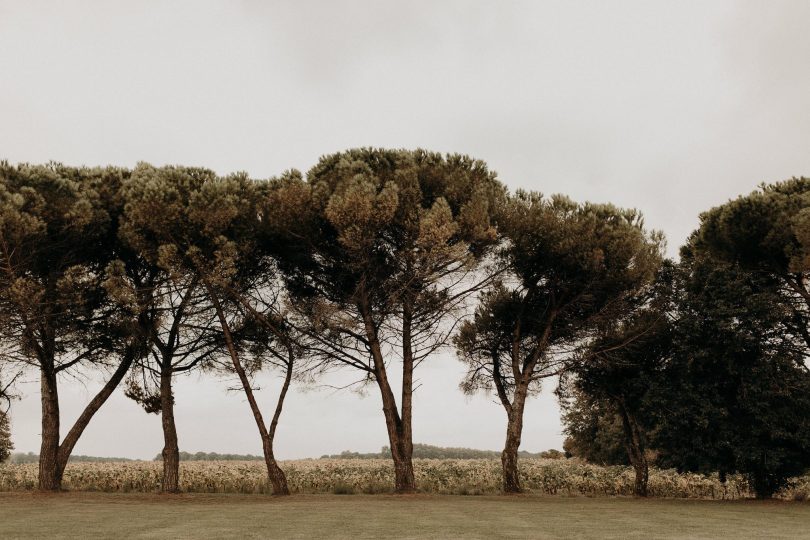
(66, 448)
(278, 480)
(49, 478)
(53, 455)
(171, 451)
(514, 431)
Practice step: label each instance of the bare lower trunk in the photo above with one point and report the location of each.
(398, 436)
(509, 456)
(278, 480)
(49, 477)
(398, 428)
(634, 443)
(171, 451)
(403, 464)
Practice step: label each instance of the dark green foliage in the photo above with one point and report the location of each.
(737, 394)
(571, 270)
(57, 224)
(767, 233)
(593, 432)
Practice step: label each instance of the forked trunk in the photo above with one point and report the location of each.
(171, 451)
(49, 477)
(275, 475)
(399, 438)
(278, 480)
(399, 428)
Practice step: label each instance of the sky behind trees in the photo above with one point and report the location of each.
(668, 107)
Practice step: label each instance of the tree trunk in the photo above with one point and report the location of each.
(403, 467)
(401, 445)
(399, 433)
(634, 443)
(66, 448)
(171, 451)
(49, 477)
(274, 473)
(514, 431)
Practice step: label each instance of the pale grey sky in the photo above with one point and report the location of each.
(671, 107)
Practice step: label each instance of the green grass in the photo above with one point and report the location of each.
(101, 515)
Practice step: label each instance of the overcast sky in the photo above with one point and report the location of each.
(670, 107)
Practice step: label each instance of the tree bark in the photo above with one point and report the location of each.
(49, 479)
(171, 451)
(278, 480)
(634, 443)
(401, 449)
(514, 431)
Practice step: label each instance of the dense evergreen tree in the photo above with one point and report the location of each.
(171, 303)
(737, 393)
(389, 242)
(219, 295)
(57, 230)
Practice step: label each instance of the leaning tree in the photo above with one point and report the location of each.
(171, 305)
(389, 243)
(57, 236)
(571, 269)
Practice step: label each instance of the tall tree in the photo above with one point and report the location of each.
(572, 268)
(57, 229)
(246, 293)
(737, 397)
(173, 305)
(389, 246)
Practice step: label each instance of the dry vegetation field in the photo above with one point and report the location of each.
(375, 476)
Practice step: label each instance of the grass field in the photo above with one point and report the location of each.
(117, 515)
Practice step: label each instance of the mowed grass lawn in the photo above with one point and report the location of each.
(120, 516)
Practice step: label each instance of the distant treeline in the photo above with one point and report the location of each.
(30, 457)
(213, 456)
(428, 451)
